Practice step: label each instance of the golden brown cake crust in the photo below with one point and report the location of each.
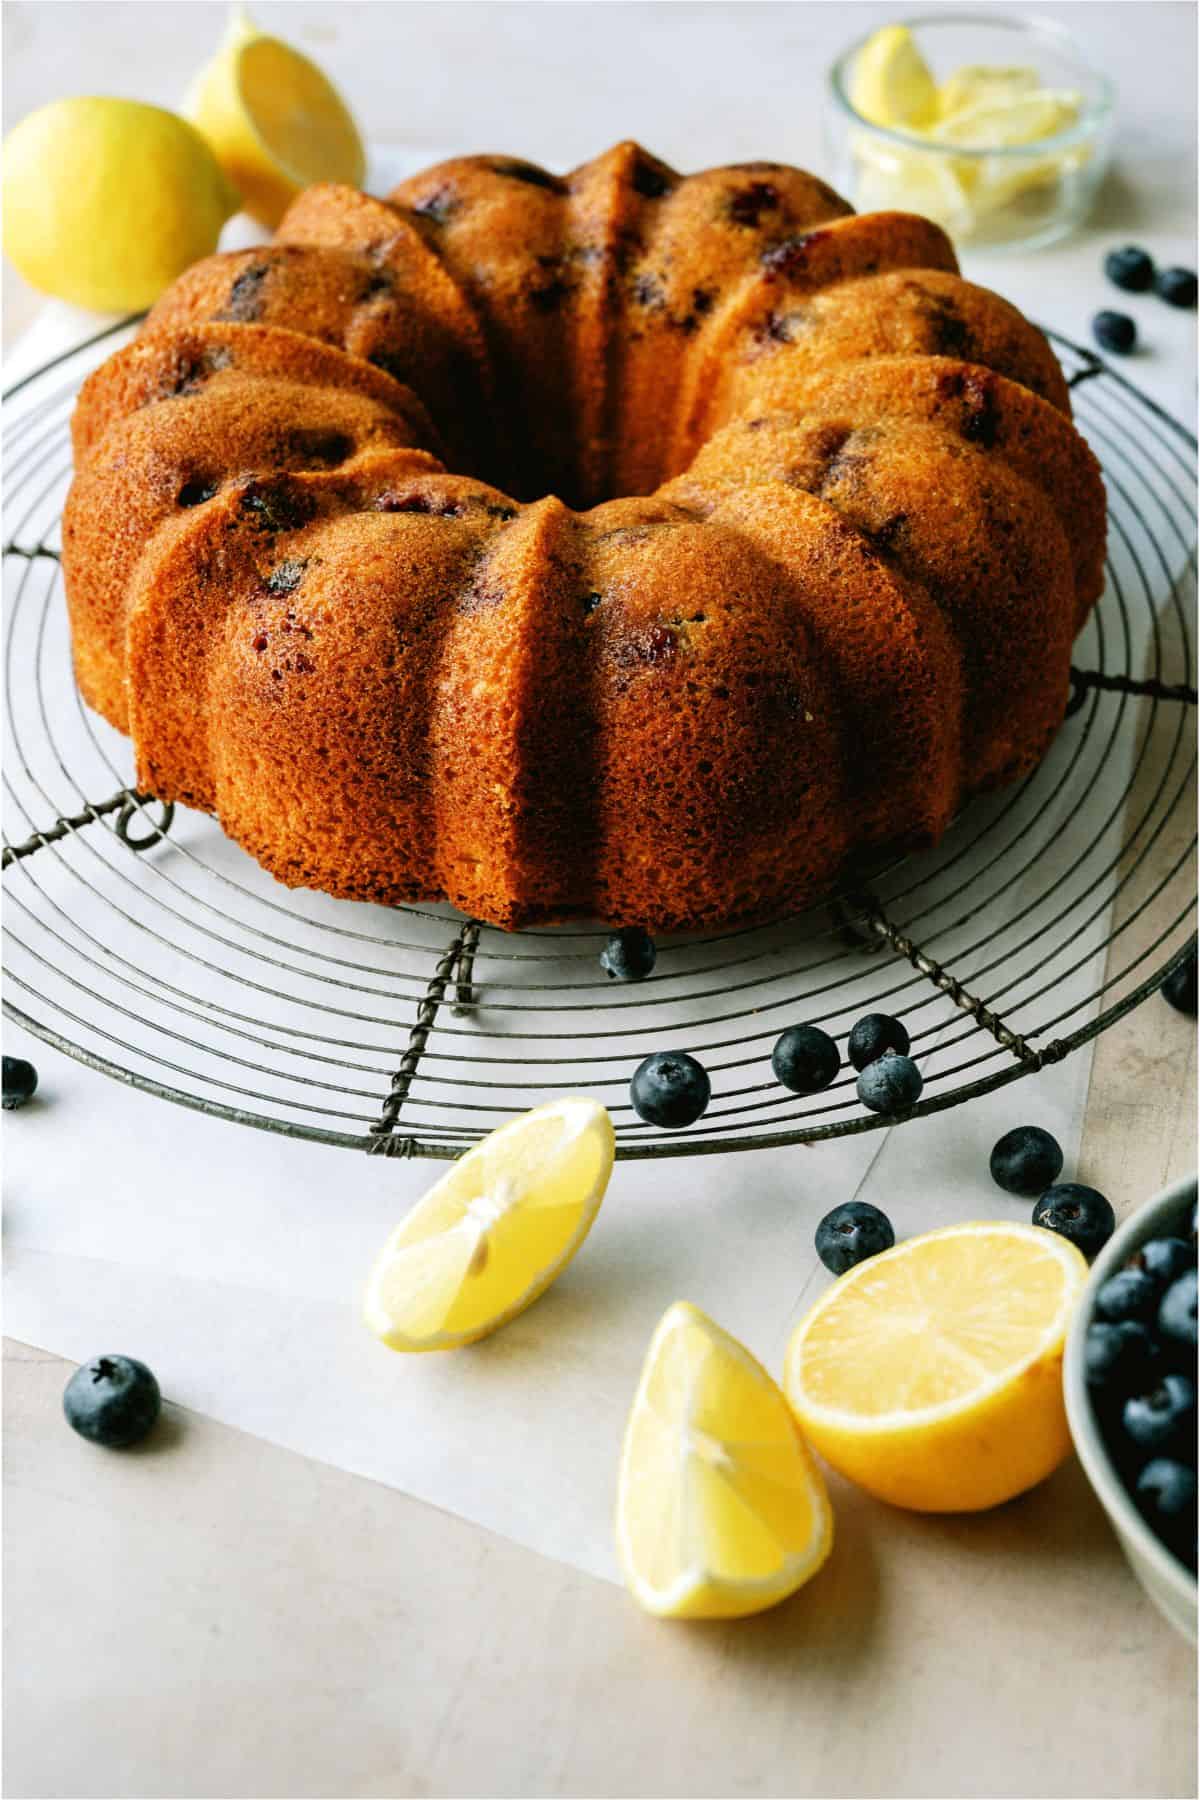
(622, 544)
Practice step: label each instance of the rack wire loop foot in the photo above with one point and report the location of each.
(126, 803)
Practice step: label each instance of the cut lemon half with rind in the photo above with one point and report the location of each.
(495, 1231)
(931, 1375)
(721, 1510)
(275, 121)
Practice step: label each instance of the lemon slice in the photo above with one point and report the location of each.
(275, 122)
(494, 1232)
(889, 178)
(721, 1510)
(1007, 124)
(932, 1375)
(984, 85)
(891, 83)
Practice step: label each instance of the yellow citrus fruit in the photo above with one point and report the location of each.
(721, 1510)
(495, 1231)
(931, 1375)
(979, 84)
(275, 122)
(107, 201)
(891, 84)
(1007, 124)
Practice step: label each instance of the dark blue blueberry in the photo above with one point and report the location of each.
(1130, 268)
(1163, 1259)
(1026, 1161)
(1077, 1213)
(1179, 989)
(891, 1084)
(1129, 1294)
(113, 1400)
(1166, 1493)
(20, 1082)
(873, 1035)
(670, 1089)
(1114, 331)
(628, 955)
(1163, 1421)
(805, 1059)
(1177, 1313)
(851, 1233)
(1177, 287)
(1118, 1359)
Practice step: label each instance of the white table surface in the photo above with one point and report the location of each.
(217, 1616)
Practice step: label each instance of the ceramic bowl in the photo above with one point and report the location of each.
(1170, 1586)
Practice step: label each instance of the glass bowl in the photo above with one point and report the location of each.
(1016, 196)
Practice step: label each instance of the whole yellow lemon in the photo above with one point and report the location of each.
(107, 201)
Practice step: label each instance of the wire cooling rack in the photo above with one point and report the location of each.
(143, 943)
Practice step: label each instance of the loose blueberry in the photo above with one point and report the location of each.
(670, 1089)
(1026, 1160)
(629, 955)
(1114, 331)
(113, 1400)
(1163, 1421)
(891, 1084)
(852, 1232)
(1117, 1359)
(1129, 1294)
(1179, 989)
(872, 1036)
(1177, 287)
(1177, 1313)
(1077, 1213)
(805, 1059)
(1162, 1259)
(1130, 268)
(1166, 1493)
(20, 1082)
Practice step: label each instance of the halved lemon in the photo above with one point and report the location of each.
(931, 1375)
(495, 1231)
(721, 1510)
(275, 122)
(890, 83)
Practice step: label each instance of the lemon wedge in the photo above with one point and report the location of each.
(495, 1231)
(891, 84)
(1007, 124)
(937, 186)
(931, 1375)
(721, 1510)
(275, 122)
(984, 84)
(107, 201)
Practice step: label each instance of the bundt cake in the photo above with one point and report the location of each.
(623, 545)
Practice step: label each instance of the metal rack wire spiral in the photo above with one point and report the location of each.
(141, 942)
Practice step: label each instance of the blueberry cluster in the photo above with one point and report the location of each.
(1028, 1161)
(1132, 269)
(807, 1060)
(672, 1089)
(1140, 1364)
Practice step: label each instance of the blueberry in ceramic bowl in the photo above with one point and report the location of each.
(1127, 1385)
